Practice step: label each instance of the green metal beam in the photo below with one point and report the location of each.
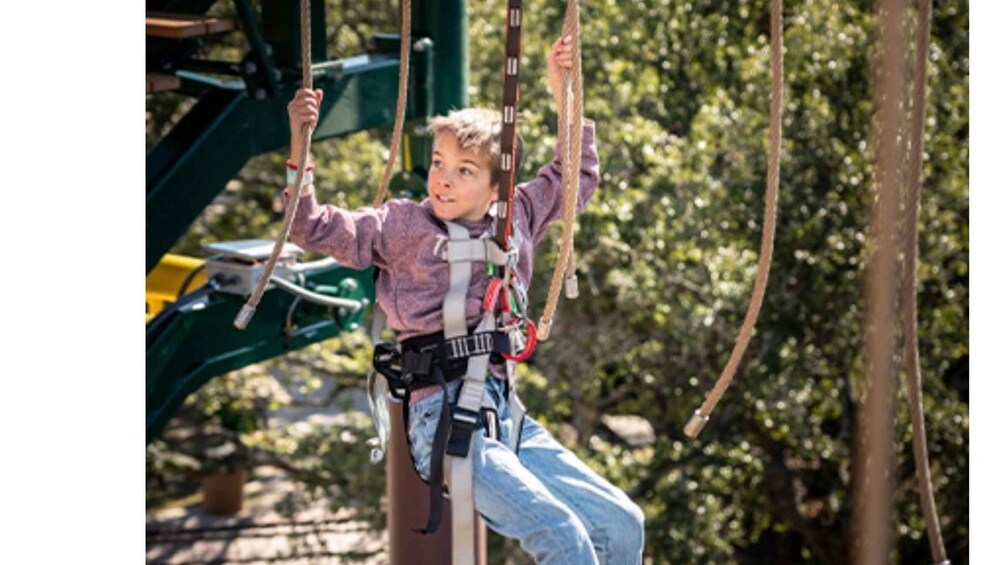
(194, 340)
(445, 23)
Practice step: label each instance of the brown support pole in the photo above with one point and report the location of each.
(445, 22)
(408, 507)
(873, 481)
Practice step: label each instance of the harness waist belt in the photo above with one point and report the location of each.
(411, 369)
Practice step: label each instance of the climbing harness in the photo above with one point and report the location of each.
(457, 353)
(702, 414)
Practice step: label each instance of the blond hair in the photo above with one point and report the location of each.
(478, 129)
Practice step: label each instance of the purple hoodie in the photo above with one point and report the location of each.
(404, 240)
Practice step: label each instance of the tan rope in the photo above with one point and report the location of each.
(908, 291)
(872, 487)
(701, 415)
(570, 140)
(247, 311)
(402, 98)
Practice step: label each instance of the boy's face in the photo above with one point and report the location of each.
(459, 180)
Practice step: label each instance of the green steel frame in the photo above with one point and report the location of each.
(195, 340)
(237, 119)
(244, 116)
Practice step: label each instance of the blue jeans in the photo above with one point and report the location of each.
(559, 509)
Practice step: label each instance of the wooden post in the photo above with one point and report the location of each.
(408, 507)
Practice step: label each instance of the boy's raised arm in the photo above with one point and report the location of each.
(355, 238)
(538, 202)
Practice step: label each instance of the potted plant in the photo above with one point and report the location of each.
(231, 410)
(209, 434)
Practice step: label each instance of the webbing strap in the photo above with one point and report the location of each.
(510, 105)
(461, 480)
(462, 508)
(461, 483)
(461, 473)
(517, 411)
(473, 389)
(454, 305)
(481, 343)
(377, 392)
(484, 250)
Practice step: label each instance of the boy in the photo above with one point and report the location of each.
(541, 493)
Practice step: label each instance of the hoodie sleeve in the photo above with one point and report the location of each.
(356, 238)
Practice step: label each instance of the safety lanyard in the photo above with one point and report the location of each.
(510, 103)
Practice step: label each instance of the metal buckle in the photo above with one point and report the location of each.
(462, 426)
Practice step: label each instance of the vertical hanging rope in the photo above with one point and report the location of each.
(702, 414)
(872, 485)
(570, 140)
(402, 98)
(908, 291)
(248, 310)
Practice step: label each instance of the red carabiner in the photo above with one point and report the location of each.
(492, 295)
(531, 344)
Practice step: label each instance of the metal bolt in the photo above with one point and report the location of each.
(421, 45)
(260, 94)
(350, 284)
(353, 327)
(343, 312)
(250, 68)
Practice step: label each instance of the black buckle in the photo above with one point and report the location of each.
(462, 426)
(387, 362)
(415, 363)
(501, 345)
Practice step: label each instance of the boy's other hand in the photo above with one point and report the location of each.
(559, 59)
(304, 108)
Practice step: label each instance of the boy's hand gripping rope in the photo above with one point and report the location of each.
(244, 316)
(702, 414)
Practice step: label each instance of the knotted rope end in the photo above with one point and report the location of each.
(544, 329)
(696, 424)
(244, 316)
(572, 287)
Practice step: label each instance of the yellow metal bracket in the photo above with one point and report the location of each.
(164, 282)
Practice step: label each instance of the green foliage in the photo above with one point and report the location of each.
(667, 252)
